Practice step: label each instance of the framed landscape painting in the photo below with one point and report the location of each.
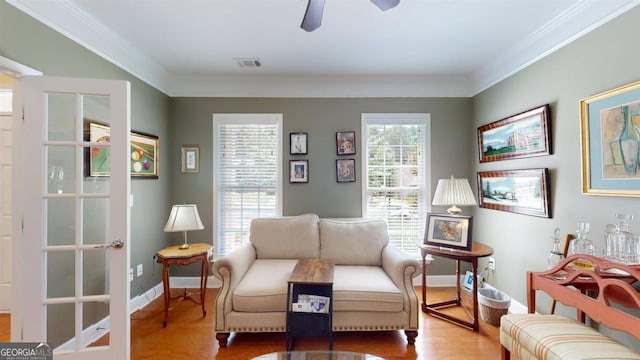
(522, 135)
(518, 191)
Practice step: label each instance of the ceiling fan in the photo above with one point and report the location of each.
(313, 16)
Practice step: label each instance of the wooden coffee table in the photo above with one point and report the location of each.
(310, 277)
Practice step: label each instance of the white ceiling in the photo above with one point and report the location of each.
(419, 48)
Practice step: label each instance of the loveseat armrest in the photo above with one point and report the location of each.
(400, 266)
(230, 269)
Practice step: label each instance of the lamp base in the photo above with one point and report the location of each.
(184, 246)
(454, 210)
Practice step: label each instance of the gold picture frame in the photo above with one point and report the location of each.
(610, 142)
(190, 159)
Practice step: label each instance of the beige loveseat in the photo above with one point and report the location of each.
(372, 289)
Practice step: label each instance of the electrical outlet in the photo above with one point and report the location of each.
(131, 274)
(492, 263)
(139, 270)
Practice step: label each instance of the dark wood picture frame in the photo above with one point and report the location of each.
(449, 231)
(518, 191)
(345, 170)
(522, 135)
(298, 143)
(346, 142)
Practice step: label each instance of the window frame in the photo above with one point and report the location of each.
(248, 119)
(398, 119)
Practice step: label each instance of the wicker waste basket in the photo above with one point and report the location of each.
(493, 304)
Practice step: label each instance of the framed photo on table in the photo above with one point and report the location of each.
(449, 231)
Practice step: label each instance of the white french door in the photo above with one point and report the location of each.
(74, 286)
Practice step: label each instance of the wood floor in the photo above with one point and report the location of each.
(189, 336)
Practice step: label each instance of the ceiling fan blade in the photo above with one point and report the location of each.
(313, 16)
(385, 4)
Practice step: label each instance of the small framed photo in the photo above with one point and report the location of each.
(346, 142)
(449, 231)
(298, 171)
(298, 143)
(346, 170)
(190, 159)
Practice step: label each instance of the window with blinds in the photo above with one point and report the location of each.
(247, 174)
(396, 161)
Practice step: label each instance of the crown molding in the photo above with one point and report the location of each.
(578, 20)
(67, 19)
(573, 23)
(319, 86)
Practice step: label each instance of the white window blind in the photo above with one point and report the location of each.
(247, 174)
(396, 161)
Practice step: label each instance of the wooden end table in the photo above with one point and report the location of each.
(478, 250)
(174, 255)
(310, 277)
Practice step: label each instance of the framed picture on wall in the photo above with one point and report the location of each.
(346, 142)
(522, 135)
(299, 171)
(190, 159)
(518, 191)
(610, 132)
(346, 170)
(298, 143)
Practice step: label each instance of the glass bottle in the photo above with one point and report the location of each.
(555, 256)
(618, 238)
(582, 245)
(628, 144)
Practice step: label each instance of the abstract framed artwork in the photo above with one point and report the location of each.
(517, 191)
(610, 138)
(143, 153)
(449, 231)
(522, 135)
(298, 171)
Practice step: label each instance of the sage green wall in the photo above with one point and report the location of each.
(602, 60)
(192, 123)
(31, 43)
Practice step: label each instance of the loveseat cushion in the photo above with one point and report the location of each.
(353, 242)
(555, 337)
(292, 237)
(264, 287)
(365, 288)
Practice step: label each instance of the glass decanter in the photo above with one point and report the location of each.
(582, 245)
(555, 256)
(617, 238)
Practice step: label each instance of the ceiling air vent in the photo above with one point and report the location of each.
(254, 63)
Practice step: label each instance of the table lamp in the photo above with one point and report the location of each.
(184, 218)
(453, 192)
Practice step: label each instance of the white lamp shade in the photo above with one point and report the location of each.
(184, 218)
(453, 192)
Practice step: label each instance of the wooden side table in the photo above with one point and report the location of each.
(310, 277)
(478, 250)
(174, 255)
